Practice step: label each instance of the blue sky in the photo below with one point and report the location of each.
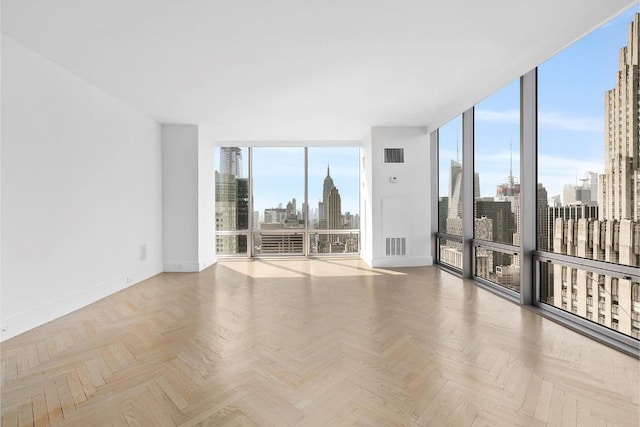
(345, 171)
(278, 175)
(571, 139)
(571, 87)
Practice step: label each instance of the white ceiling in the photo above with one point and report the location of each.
(296, 69)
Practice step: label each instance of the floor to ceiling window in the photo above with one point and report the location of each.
(287, 201)
(497, 187)
(334, 199)
(450, 187)
(278, 184)
(588, 169)
(570, 243)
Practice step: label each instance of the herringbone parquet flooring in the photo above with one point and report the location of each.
(312, 343)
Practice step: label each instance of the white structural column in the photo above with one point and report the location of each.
(188, 200)
(435, 183)
(396, 199)
(206, 198)
(528, 183)
(467, 194)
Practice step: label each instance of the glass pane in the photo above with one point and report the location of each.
(278, 188)
(609, 301)
(500, 268)
(589, 143)
(497, 166)
(451, 253)
(278, 244)
(232, 191)
(334, 243)
(231, 245)
(450, 170)
(334, 182)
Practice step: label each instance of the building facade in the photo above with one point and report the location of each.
(612, 233)
(232, 202)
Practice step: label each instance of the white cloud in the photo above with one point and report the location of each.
(568, 165)
(555, 120)
(548, 119)
(498, 158)
(507, 116)
(555, 172)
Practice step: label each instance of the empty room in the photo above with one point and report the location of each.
(320, 213)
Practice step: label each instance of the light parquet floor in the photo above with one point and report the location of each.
(312, 343)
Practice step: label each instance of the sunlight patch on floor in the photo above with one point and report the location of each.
(293, 268)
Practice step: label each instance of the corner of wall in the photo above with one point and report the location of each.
(206, 198)
(40, 315)
(393, 262)
(206, 264)
(366, 194)
(95, 163)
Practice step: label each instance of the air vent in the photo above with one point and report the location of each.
(396, 246)
(394, 155)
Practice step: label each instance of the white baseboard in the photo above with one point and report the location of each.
(181, 267)
(208, 263)
(400, 261)
(39, 316)
(187, 266)
(368, 260)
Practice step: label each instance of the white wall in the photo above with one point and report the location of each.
(206, 198)
(398, 209)
(366, 197)
(81, 192)
(180, 197)
(188, 198)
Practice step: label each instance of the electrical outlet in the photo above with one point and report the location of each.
(143, 252)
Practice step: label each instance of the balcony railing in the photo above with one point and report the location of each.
(287, 242)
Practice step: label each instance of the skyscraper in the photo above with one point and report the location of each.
(542, 207)
(327, 185)
(232, 212)
(232, 201)
(585, 193)
(455, 190)
(620, 184)
(504, 222)
(334, 209)
(614, 235)
(330, 217)
(454, 210)
(231, 160)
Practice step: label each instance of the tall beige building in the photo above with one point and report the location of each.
(620, 184)
(615, 235)
(334, 210)
(232, 202)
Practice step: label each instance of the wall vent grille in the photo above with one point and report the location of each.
(394, 155)
(396, 246)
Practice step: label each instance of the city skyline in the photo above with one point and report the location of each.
(278, 175)
(233, 213)
(570, 116)
(596, 216)
(612, 233)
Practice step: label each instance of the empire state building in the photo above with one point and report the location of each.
(331, 206)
